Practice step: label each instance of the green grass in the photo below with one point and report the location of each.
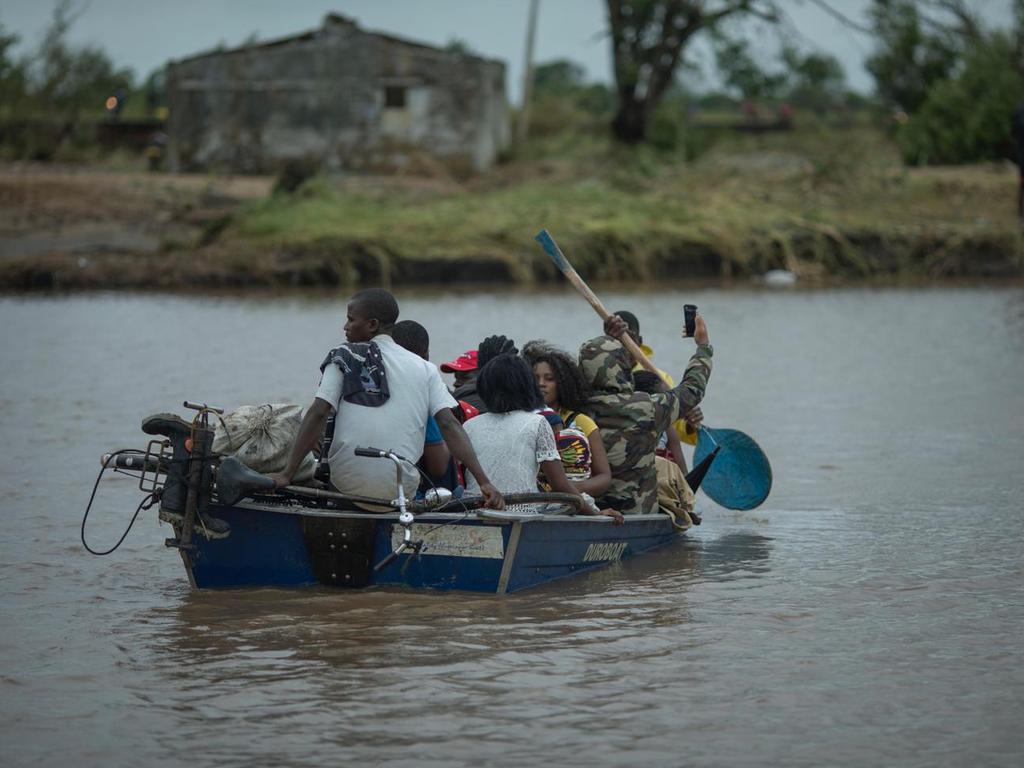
(753, 202)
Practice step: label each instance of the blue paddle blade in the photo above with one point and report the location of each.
(740, 477)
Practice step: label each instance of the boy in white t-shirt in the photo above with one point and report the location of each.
(395, 419)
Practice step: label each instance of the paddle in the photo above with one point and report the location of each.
(738, 475)
(551, 248)
(696, 475)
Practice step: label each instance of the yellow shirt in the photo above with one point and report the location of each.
(583, 422)
(686, 433)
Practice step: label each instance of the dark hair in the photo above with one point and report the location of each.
(645, 381)
(378, 304)
(572, 387)
(506, 384)
(631, 322)
(412, 336)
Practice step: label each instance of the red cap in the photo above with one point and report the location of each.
(464, 362)
(468, 411)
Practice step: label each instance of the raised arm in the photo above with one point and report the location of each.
(310, 430)
(690, 390)
(694, 383)
(462, 449)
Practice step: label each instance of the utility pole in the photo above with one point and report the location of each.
(523, 128)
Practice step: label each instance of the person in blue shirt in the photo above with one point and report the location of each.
(436, 461)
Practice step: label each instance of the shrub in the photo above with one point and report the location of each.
(294, 174)
(967, 118)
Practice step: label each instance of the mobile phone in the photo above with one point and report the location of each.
(690, 319)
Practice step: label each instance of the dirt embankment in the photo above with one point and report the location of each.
(69, 227)
(64, 228)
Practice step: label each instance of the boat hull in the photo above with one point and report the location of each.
(289, 545)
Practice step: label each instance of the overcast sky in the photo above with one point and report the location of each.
(145, 34)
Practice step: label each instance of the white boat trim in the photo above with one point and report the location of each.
(483, 515)
(510, 557)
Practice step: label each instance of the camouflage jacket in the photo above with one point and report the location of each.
(631, 421)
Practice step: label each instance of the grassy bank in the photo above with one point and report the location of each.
(824, 205)
(815, 204)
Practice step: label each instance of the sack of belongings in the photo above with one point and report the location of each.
(674, 495)
(261, 437)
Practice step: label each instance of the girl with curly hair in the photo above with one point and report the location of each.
(515, 442)
(564, 390)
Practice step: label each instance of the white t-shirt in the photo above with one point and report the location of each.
(510, 447)
(416, 392)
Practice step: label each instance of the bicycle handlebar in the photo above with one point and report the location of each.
(371, 453)
(379, 453)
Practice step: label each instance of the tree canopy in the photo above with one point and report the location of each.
(58, 80)
(648, 39)
(911, 54)
(955, 83)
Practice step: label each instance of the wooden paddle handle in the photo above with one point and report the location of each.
(551, 248)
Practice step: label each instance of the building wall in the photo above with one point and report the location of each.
(340, 97)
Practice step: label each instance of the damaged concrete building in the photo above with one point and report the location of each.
(340, 97)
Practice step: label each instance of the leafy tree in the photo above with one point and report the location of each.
(918, 44)
(1018, 17)
(816, 80)
(155, 89)
(813, 79)
(458, 45)
(13, 75)
(741, 74)
(560, 86)
(596, 99)
(560, 76)
(967, 118)
(566, 79)
(959, 82)
(68, 81)
(648, 39)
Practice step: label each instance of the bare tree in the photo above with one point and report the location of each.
(648, 39)
(955, 16)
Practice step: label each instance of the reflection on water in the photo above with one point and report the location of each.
(742, 552)
(417, 665)
(870, 612)
(346, 628)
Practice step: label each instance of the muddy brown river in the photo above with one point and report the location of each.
(870, 613)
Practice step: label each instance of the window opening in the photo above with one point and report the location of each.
(394, 97)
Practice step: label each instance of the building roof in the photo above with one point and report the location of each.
(331, 19)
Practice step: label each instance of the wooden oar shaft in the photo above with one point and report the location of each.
(551, 248)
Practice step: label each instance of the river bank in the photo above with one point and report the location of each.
(836, 210)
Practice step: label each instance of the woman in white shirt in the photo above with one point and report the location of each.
(513, 441)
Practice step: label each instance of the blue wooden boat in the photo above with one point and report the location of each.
(288, 544)
(233, 530)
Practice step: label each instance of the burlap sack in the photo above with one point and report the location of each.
(261, 437)
(674, 495)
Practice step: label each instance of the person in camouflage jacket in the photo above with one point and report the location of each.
(632, 421)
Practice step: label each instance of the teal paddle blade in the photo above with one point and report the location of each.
(740, 476)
